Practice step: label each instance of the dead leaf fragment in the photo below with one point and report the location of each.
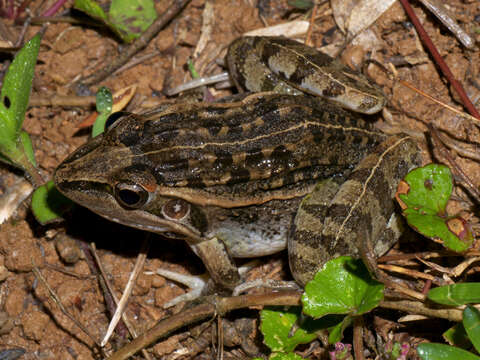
(353, 16)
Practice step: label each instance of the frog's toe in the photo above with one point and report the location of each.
(265, 283)
(196, 283)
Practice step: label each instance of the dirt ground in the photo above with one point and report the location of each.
(30, 320)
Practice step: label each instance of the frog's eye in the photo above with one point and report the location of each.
(176, 209)
(112, 119)
(131, 196)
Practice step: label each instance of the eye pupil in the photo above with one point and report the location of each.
(131, 196)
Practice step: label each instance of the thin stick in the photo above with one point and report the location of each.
(439, 60)
(128, 289)
(202, 312)
(107, 284)
(358, 338)
(57, 301)
(136, 46)
(474, 191)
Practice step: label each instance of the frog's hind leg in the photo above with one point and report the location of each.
(306, 231)
(357, 217)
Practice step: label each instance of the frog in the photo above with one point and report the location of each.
(291, 164)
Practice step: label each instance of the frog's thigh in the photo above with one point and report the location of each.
(218, 262)
(359, 211)
(305, 238)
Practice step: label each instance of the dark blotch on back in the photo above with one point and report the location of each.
(223, 162)
(128, 131)
(239, 175)
(213, 127)
(280, 158)
(254, 158)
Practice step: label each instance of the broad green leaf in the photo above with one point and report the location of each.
(456, 294)
(431, 351)
(429, 190)
(16, 89)
(457, 336)
(13, 104)
(131, 18)
(48, 204)
(276, 326)
(91, 8)
(471, 323)
(343, 286)
(423, 196)
(104, 103)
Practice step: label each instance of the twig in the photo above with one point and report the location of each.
(54, 8)
(94, 265)
(57, 301)
(61, 100)
(467, 181)
(136, 46)
(439, 60)
(308, 38)
(451, 108)
(122, 304)
(106, 284)
(201, 312)
(358, 338)
(416, 307)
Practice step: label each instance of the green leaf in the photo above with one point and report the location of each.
(104, 103)
(16, 89)
(424, 198)
(343, 286)
(457, 336)
(13, 104)
(131, 18)
(301, 4)
(430, 189)
(283, 356)
(91, 8)
(27, 147)
(276, 326)
(471, 323)
(48, 204)
(335, 333)
(431, 351)
(456, 294)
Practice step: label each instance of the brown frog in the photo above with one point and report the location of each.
(255, 176)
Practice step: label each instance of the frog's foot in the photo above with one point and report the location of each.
(265, 283)
(197, 284)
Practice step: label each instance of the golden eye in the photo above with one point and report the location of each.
(176, 209)
(131, 196)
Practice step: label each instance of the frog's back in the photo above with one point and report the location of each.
(269, 143)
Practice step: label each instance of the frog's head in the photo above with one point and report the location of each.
(109, 176)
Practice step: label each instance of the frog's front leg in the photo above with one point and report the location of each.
(359, 211)
(220, 267)
(218, 262)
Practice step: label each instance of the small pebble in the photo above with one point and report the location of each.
(67, 248)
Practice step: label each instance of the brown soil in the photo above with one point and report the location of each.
(32, 321)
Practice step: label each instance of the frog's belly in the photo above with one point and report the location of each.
(256, 230)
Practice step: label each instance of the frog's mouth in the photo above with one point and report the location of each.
(98, 198)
